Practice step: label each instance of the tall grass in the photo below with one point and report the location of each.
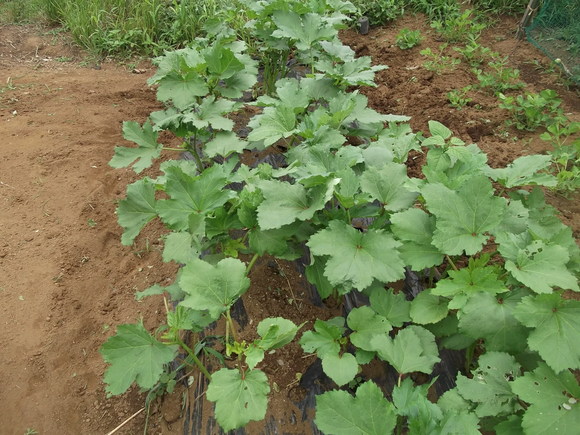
(129, 26)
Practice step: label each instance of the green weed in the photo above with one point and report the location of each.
(458, 97)
(438, 62)
(459, 27)
(407, 39)
(531, 111)
(499, 78)
(379, 11)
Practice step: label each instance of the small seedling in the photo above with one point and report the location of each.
(458, 97)
(407, 39)
(438, 62)
(91, 223)
(500, 77)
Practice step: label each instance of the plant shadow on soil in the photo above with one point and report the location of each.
(67, 282)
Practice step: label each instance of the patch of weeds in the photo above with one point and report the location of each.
(531, 110)
(475, 53)
(64, 59)
(499, 78)
(379, 11)
(459, 27)
(91, 223)
(437, 61)
(458, 97)
(565, 156)
(407, 39)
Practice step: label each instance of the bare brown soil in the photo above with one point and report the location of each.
(66, 282)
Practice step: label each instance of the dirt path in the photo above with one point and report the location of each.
(62, 288)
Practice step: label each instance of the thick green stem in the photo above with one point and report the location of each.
(193, 149)
(230, 325)
(251, 263)
(469, 357)
(195, 359)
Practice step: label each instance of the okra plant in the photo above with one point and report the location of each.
(494, 259)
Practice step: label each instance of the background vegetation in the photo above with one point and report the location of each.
(123, 27)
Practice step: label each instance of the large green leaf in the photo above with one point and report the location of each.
(304, 30)
(356, 258)
(369, 413)
(224, 143)
(554, 400)
(492, 318)
(142, 156)
(490, 386)
(135, 356)
(182, 90)
(386, 184)
(394, 307)
(238, 399)
(284, 202)
(137, 209)
(192, 195)
(273, 124)
(210, 114)
(462, 284)
(366, 324)
(542, 267)
(340, 368)
(557, 329)
(412, 350)
(465, 216)
(416, 228)
(213, 288)
(428, 308)
(524, 171)
(412, 402)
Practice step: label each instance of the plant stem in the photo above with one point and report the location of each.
(450, 261)
(172, 149)
(194, 357)
(251, 263)
(469, 356)
(230, 325)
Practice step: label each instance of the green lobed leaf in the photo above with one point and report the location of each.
(412, 350)
(411, 401)
(284, 202)
(356, 257)
(181, 89)
(180, 247)
(368, 413)
(386, 184)
(465, 216)
(305, 30)
(416, 228)
(135, 356)
(394, 307)
(223, 144)
(142, 156)
(324, 339)
(490, 386)
(273, 124)
(213, 288)
(492, 318)
(554, 401)
(137, 209)
(542, 267)
(366, 324)
(556, 333)
(238, 400)
(192, 195)
(524, 171)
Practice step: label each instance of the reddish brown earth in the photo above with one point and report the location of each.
(66, 282)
